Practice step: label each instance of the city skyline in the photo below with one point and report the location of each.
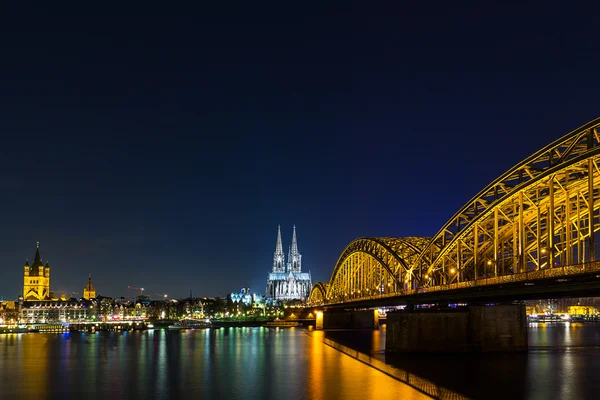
(163, 155)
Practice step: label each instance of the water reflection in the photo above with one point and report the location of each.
(563, 362)
(231, 363)
(29, 355)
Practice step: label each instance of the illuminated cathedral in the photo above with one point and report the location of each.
(288, 282)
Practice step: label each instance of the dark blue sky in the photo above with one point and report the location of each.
(161, 147)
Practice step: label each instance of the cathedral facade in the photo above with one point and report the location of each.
(287, 282)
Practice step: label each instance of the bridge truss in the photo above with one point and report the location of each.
(537, 220)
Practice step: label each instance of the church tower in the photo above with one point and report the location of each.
(294, 257)
(278, 256)
(36, 279)
(88, 291)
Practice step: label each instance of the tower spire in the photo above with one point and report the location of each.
(37, 261)
(279, 245)
(278, 256)
(294, 242)
(295, 257)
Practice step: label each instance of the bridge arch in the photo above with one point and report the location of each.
(540, 214)
(318, 293)
(374, 266)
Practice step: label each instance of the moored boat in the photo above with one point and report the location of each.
(281, 324)
(13, 329)
(189, 324)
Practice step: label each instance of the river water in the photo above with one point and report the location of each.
(563, 362)
(226, 363)
(259, 363)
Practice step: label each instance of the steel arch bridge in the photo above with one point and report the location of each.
(538, 220)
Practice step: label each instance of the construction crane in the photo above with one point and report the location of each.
(141, 289)
(164, 295)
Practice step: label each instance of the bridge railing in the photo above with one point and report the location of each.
(554, 272)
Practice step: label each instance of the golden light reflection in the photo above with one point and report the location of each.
(315, 363)
(376, 340)
(34, 357)
(373, 383)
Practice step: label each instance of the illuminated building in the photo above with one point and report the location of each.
(88, 291)
(44, 312)
(36, 279)
(9, 312)
(243, 296)
(582, 310)
(288, 283)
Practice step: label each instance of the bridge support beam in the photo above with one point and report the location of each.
(363, 319)
(474, 329)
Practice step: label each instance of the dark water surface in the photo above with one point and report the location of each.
(563, 362)
(226, 363)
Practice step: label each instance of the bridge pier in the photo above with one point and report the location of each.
(361, 319)
(474, 329)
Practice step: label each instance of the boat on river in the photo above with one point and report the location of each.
(13, 329)
(281, 324)
(190, 324)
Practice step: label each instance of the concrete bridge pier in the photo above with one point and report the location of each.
(361, 319)
(473, 329)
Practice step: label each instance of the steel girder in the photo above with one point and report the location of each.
(535, 221)
(318, 293)
(536, 215)
(374, 266)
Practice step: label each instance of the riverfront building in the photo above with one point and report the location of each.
(287, 282)
(44, 312)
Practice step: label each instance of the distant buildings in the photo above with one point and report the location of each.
(287, 283)
(243, 296)
(39, 305)
(582, 310)
(249, 299)
(9, 312)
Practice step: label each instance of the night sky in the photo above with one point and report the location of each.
(160, 147)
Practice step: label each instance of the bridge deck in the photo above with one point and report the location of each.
(571, 281)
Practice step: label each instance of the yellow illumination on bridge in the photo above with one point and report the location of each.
(535, 221)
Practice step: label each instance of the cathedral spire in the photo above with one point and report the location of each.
(294, 242)
(279, 245)
(278, 256)
(295, 263)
